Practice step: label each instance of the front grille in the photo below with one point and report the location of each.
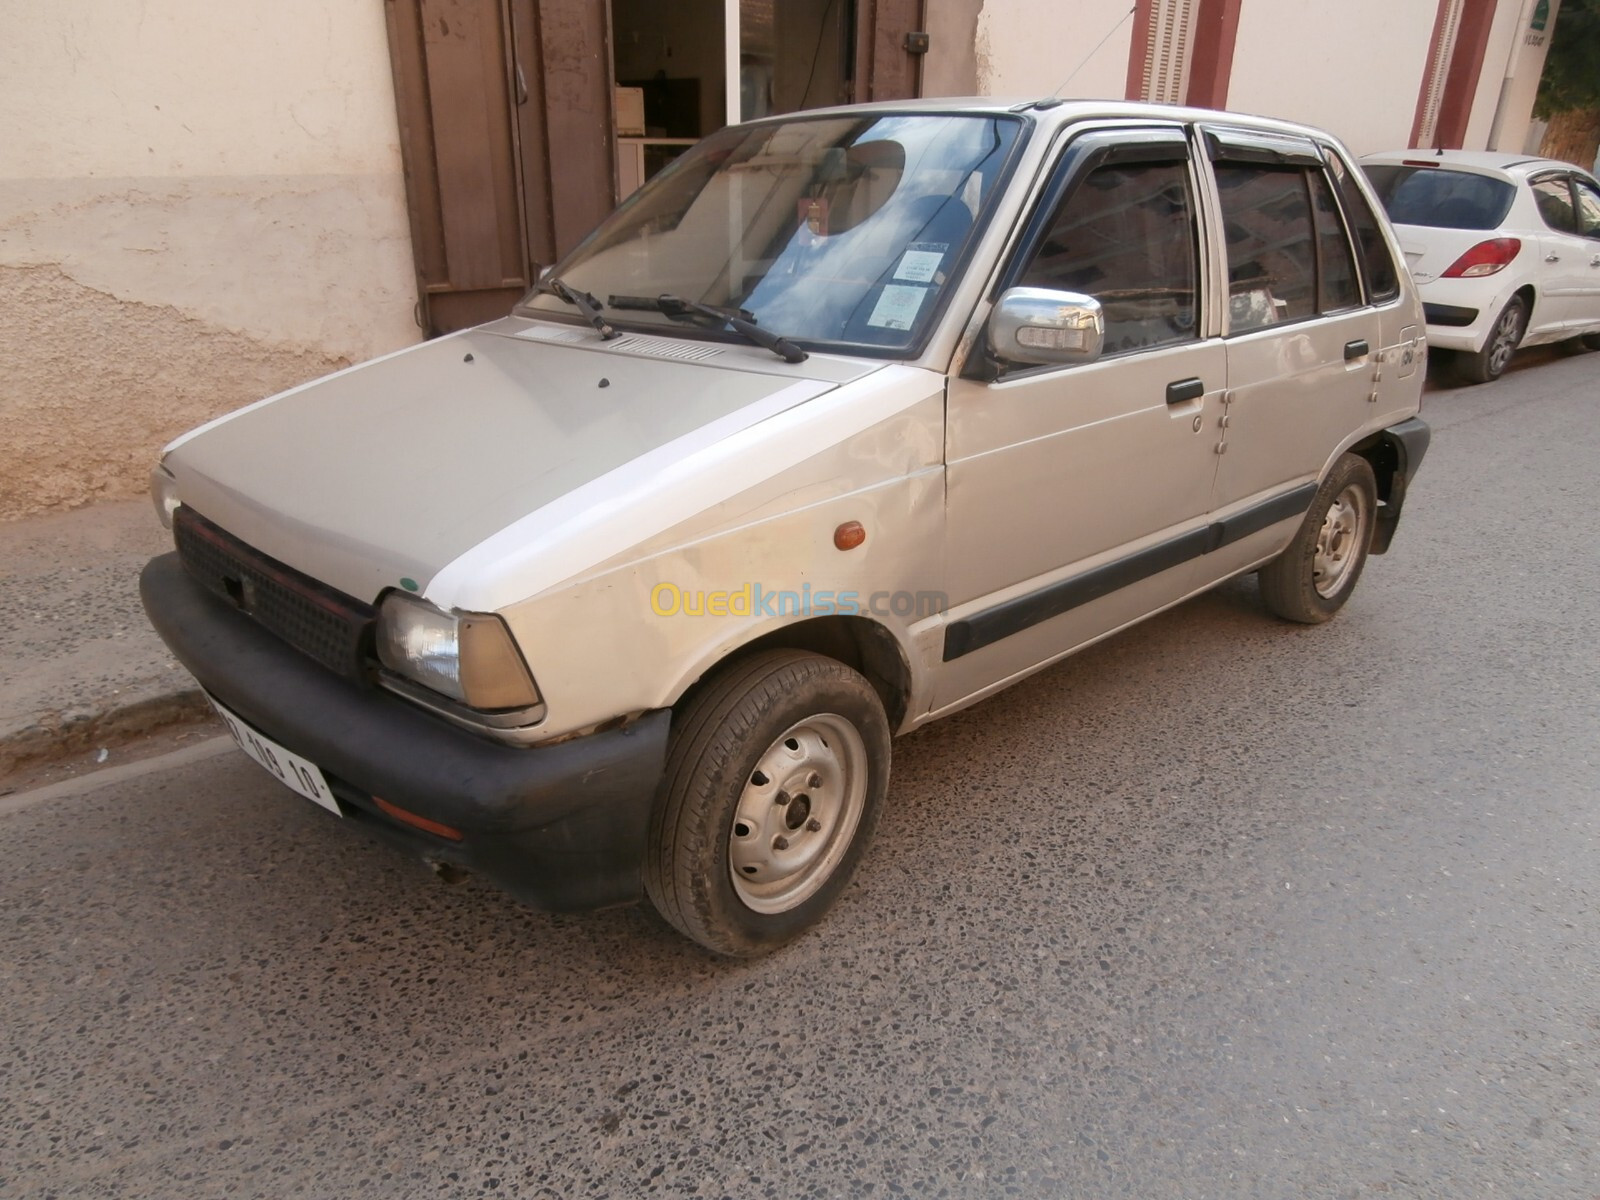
(330, 627)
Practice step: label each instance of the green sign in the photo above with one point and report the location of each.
(1541, 16)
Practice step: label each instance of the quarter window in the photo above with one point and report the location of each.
(1377, 261)
(1126, 236)
(1554, 199)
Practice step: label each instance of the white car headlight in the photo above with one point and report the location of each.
(468, 657)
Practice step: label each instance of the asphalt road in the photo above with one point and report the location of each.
(1220, 908)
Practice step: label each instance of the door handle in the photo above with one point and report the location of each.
(1356, 349)
(1185, 389)
(1552, 258)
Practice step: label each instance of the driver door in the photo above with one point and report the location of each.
(1077, 495)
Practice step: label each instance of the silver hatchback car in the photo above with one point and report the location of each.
(844, 422)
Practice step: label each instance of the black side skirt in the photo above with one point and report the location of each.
(1013, 616)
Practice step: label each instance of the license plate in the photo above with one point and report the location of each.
(296, 773)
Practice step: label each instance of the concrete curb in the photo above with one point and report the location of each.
(57, 735)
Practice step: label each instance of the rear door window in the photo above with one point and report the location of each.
(1554, 199)
(1588, 207)
(1272, 259)
(1439, 198)
(1337, 285)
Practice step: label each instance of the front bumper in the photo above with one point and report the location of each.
(561, 827)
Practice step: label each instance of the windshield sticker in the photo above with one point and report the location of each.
(921, 262)
(897, 307)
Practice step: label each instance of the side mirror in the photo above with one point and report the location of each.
(1042, 325)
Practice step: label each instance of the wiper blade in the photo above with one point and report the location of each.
(582, 301)
(737, 319)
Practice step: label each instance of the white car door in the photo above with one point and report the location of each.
(1586, 315)
(1564, 254)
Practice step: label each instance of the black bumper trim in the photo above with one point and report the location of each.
(990, 625)
(1449, 316)
(562, 827)
(1406, 442)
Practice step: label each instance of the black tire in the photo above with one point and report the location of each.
(779, 723)
(1311, 580)
(1505, 335)
(1591, 341)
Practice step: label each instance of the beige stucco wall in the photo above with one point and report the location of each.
(1330, 66)
(1037, 47)
(200, 204)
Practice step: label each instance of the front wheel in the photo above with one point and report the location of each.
(1311, 580)
(1491, 362)
(775, 776)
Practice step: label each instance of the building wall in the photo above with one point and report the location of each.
(951, 65)
(1037, 47)
(1303, 60)
(1355, 68)
(200, 204)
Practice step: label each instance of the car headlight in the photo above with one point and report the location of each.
(163, 494)
(468, 657)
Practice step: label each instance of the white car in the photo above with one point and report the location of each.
(1504, 249)
(843, 422)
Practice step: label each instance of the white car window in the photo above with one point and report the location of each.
(1554, 199)
(1588, 208)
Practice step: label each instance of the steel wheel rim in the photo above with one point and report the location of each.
(1339, 542)
(1505, 341)
(798, 813)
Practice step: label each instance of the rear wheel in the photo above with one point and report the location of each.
(775, 776)
(1491, 362)
(1311, 580)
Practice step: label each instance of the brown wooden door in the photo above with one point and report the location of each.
(885, 69)
(505, 131)
(507, 135)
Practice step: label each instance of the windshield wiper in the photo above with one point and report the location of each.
(737, 319)
(582, 301)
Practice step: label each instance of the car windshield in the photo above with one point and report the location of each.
(1441, 198)
(833, 229)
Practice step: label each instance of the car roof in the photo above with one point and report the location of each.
(1053, 111)
(1482, 161)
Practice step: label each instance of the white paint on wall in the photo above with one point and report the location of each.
(124, 88)
(1505, 35)
(1078, 48)
(1514, 125)
(1353, 69)
(199, 202)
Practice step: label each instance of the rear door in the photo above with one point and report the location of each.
(1564, 267)
(1302, 343)
(1587, 195)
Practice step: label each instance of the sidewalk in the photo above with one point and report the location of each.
(79, 664)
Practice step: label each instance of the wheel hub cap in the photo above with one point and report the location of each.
(1339, 542)
(798, 813)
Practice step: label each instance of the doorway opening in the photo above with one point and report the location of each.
(686, 69)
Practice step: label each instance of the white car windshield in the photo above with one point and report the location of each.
(837, 229)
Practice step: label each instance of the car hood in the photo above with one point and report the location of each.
(388, 471)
